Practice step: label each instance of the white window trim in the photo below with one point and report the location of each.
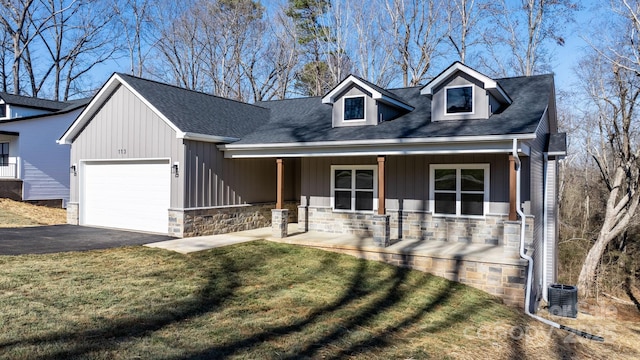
(473, 100)
(458, 167)
(353, 187)
(364, 112)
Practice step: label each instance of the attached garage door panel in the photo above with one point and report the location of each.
(127, 195)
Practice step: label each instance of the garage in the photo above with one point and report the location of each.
(130, 194)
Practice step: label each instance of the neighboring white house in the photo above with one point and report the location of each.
(32, 166)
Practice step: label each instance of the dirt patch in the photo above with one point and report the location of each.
(19, 214)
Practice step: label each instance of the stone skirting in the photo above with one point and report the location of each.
(73, 216)
(222, 220)
(326, 220)
(504, 280)
(417, 225)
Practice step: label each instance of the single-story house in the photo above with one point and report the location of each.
(32, 166)
(465, 159)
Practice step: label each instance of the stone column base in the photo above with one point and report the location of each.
(279, 222)
(73, 216)
(381, 230)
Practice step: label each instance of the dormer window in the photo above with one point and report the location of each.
(354, 108)
(459, 100)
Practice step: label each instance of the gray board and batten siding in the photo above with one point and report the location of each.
(407, 179)
(125, 128)
(212, 180)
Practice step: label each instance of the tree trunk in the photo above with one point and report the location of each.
(587, 277)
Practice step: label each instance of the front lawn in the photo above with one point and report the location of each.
(257, 300)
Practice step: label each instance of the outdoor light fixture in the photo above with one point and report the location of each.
(174, 169)
(73, 169)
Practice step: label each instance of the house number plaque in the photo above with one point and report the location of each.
(122, 151)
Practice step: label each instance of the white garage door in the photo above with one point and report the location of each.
(133, 195)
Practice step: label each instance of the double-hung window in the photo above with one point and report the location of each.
(354, 188)
(459, 190)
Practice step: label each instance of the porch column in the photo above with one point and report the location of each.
(512, 189)
(381, 225)
(279, 215)
(280, 184)
(381, 186)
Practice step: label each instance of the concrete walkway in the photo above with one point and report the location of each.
(200, 243)
(330, 241)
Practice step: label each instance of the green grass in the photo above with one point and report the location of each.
(257, 300)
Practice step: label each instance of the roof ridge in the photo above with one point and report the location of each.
(187, 90)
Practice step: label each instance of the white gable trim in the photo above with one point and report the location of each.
(96, 103)
(489, 84)
(331, 97)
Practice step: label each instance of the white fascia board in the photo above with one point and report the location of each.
(205, 138)
(330, 98)
(348, 143)
(97, 102)
(379, 148)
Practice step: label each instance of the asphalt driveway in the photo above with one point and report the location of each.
(60, 238)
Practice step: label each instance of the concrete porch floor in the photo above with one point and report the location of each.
(334, 242)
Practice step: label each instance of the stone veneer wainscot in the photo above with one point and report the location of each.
(223, 219)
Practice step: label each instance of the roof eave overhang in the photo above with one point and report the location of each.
(105, 93)
(206, 138)
(442, 145)
(333, 95)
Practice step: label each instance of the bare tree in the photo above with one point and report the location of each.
(463, 17)
(369, 46)
(518, 41)
(135, 19)
(416, 28)
(180, 49)
(614, 87)
(15, 16)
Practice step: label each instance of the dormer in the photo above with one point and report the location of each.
(461, 93)
(357, 102)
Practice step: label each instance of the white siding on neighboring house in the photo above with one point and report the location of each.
(18, 112)
(43, 164)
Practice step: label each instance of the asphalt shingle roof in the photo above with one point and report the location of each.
(309, 120)
(33, 102)
(196, 112)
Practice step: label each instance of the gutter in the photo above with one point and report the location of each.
(527, 298)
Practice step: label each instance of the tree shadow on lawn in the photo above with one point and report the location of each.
(219, 287)
(356, 290)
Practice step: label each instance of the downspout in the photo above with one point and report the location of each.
(527, 297)
(545, 222)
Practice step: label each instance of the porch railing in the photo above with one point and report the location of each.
(8, 171)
